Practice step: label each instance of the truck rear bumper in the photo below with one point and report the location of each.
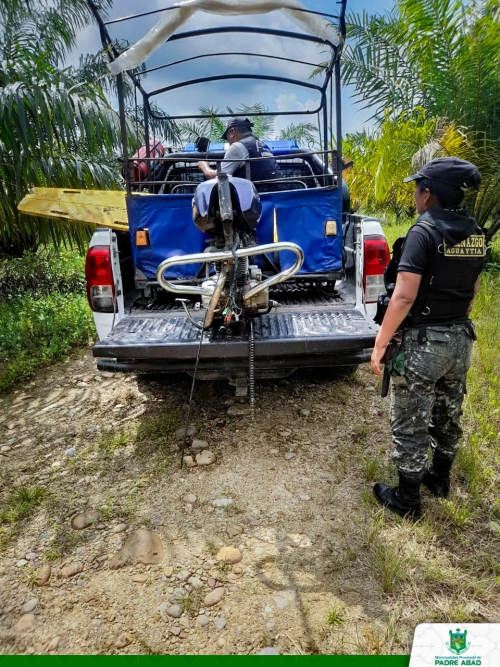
(167, 342)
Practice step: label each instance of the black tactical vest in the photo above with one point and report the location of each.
(447, 285)
(261, 170)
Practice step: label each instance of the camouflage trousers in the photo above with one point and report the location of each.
(426, 411)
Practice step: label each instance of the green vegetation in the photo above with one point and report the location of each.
(430, 73)
(335, 616)
(213, 127)
(57, 130)
(16, 507)
(43, 311)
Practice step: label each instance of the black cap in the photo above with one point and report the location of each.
(237, 121)
(449, 170)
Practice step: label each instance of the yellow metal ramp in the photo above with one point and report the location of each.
(104, 208)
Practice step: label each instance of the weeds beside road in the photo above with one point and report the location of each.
(43, 311)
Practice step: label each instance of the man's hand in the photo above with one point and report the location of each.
(206, 169)
(203, 166)
(376, 360)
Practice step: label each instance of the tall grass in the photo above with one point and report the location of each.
(43, 311)
(478, 457)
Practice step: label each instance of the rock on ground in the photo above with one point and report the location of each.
(25, 623)
(222, 502)
(239, 410)
(199, 445)
(85, 519)
(189, 462)
(202, 620)
(124, 640)
(213, 597)
(229, 555)
(269, 650)
(71, 569)
(30, 606)
(44, 575)
(233, 530)
(54, 643)
(141, 546)
(205, 458)
(185, 433)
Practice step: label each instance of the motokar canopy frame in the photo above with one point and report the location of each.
(324, 29)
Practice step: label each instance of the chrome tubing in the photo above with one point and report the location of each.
(227, 256)
(279, 277)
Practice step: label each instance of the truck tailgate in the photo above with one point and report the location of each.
(282, 338)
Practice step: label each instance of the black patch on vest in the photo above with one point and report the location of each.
(473, 246)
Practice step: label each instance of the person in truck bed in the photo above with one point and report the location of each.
(243, 145)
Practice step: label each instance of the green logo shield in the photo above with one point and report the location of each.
(458, 642)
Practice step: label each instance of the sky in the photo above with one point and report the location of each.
(275, 96)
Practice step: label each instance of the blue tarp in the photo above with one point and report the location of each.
(301, 217)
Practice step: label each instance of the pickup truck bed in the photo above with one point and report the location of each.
(284, 338)
(311, 327)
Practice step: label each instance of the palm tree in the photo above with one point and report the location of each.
(213, 127)
(444, 57)
(55, 129)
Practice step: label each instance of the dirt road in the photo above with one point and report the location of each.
(289, 491)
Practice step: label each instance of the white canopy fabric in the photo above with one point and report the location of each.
(174, 18)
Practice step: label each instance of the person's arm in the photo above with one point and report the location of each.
(404, 296)
(476, 290)
(207, 169)
(234, 153)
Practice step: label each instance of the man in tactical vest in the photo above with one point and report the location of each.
(437, 279)
(244, 145)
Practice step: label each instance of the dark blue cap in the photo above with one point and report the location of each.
(450, 170)
(237, 121)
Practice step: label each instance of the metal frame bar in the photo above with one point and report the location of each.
(302, 36)
(225, 77)
(253, 114)
(229, 53)
(228, 256)
(166, 9)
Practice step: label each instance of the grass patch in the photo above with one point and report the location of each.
(111, 442)
(375, 469)
(191, 603)
(65, 539)
(19, 505)
(389, 565)
(43, 311)
(458, 511)
(211, 547)
(155, 434)
(335, 616)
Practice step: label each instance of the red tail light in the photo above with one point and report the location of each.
(376, 258)
(99, 277)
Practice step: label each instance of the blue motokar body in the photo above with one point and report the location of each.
(299, 216)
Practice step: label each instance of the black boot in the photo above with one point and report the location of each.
(403, 499)
(437, 477)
